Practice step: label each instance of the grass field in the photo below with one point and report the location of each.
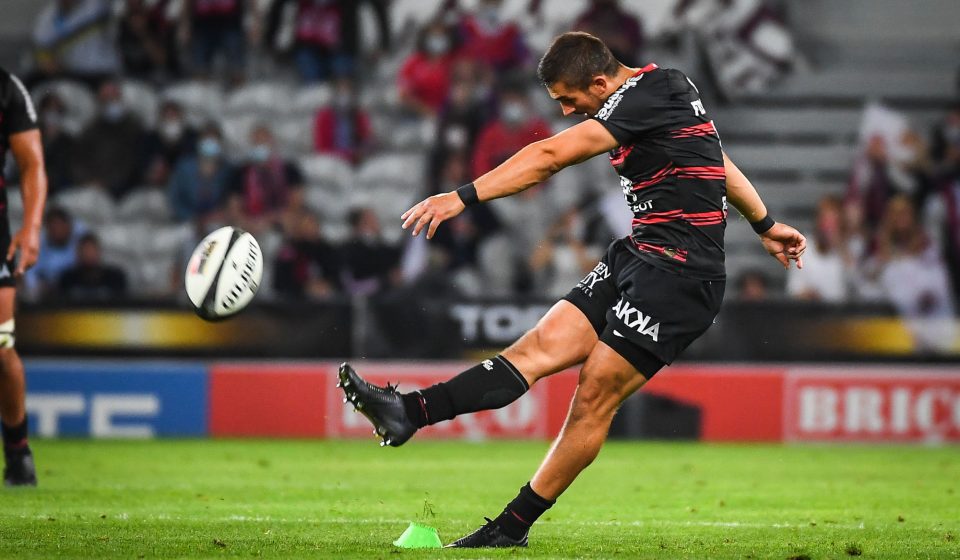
(298, 499)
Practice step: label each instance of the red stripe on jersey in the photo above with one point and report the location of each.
(704, 129)
(648, 68)
(656, 177)
(659, 217)
(675, 254)
(715, 172)
(620, 154)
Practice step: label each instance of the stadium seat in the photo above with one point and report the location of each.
(144, 204)
(80, 101)
(294, 135)
(332, 172)
(328, 203)
(166, 240)
(495, 261)
(153, 276)
(804, 160)
(122, 242)
(261, 97)
(202, 101)
(142, 99)
(405, 168)
(90, 204)
(236, 132)
(308, 100)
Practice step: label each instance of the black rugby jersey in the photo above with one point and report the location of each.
(16, 112)
(671, 170)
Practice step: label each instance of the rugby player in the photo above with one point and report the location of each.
(654, 292)
(18, 134)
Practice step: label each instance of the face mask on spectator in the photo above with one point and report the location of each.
(513, 112)
(437, 44)
(259, 153)
(171, 130)
(209, 148)
(113, 111)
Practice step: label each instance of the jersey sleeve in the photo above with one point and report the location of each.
(16, 107)
(633, 111)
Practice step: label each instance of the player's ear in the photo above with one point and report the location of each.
(598, 85)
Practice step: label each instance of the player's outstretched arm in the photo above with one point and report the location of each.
(28, 152)
(783, 242)
(533, 164)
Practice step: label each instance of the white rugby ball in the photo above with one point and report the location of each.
(223, 273)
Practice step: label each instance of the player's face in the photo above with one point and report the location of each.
(577, 101)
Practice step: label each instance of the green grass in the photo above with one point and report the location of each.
(298, 499)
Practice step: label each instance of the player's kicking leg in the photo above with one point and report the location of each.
(606, 379)
(19, 469)
(562, 338)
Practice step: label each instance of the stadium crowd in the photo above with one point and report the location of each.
(314, 123)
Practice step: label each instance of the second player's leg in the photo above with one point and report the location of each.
(12, 387)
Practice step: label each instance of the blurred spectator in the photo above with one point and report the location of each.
(914, 276)
(90, 279)
(72, 38)
(753, 285)
(343, 128)
(58, 143)
(942, 212)
(747, 43)
(618, 28)
(370, 264)
(490, 38)
(424, 78)
(516, 126)
(109, 151)
(946, 137)
(466, 110)
(173, 137)
(307, 266)
(876, 178)
(146, 40)
(199, 183)
(266, 185)
(58, 252)
(826, 261)
(562, 258)
(326, 34)
(213, 28)
(460, 237)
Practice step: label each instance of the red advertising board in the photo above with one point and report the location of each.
(896, 404)
(736, 403)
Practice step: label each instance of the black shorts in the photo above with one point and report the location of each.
(646, 314)
(6, 267)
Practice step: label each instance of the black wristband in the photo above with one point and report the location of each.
(468, 194)
(761, 226)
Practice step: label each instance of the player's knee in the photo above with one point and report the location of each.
(597, 397)
(8, 336)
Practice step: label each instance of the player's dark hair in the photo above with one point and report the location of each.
(574, 58)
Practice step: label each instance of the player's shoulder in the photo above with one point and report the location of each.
(635, 93)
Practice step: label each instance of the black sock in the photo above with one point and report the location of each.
(522, 512)
(490, 384)
(15, 436)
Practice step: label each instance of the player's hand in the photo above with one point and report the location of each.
(27, 241)
(431, 212)
(785, 244)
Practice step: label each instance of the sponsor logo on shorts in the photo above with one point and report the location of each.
(487, 365)
(599, 272)
(4, 271)
(636, 320)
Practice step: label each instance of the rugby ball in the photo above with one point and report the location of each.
(223, 273)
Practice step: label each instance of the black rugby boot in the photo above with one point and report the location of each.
(488, 536)
(381, 405)
(19, 470)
